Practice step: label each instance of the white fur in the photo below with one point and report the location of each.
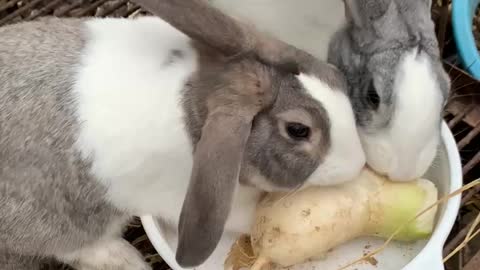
(111, 254)
(405, 150)
(132, 119)
(306, 24)
(346, 157)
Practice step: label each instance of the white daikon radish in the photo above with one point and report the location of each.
(293, 228)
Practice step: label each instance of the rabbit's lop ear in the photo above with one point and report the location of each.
(202, 22)
(214, 177)
(217, 161)
(206, 24)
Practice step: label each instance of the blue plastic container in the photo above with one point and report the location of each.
(463, 12)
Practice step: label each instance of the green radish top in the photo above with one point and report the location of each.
(398, 203)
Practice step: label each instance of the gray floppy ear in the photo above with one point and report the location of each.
(202, 22)
(218, 157)
(217, 162)
(209, 25)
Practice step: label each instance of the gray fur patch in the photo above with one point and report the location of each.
(49, 202)
(370, 51)
(173, 56)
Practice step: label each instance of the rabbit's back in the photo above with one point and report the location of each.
(91, 122)
(48, 199)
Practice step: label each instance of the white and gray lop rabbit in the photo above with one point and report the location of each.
(187, 116)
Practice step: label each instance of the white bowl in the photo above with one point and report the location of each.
(446, 173)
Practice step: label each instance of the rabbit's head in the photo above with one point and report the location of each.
(256, 118)
(258, 126)
(300, 132)
(397, 85)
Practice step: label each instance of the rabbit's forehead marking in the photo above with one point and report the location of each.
(405, 74)
(418, 99)
(300, 115)
(295, 104)
(345, 156)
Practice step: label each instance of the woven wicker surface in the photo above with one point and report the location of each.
(462, 113)
(14, 10)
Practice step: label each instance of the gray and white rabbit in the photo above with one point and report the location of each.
(389, 53)
(102, 119)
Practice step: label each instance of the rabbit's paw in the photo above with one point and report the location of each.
(115, 254)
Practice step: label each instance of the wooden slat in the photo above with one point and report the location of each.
(17, 12)
(474, 263)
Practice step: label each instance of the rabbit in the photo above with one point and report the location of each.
(187, 115)
(390, 56)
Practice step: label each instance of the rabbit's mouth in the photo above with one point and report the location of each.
(251, 177)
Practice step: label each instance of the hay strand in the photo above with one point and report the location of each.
(470, 235)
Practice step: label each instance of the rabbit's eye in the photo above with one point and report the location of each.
(298, 131)
(372, 96)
